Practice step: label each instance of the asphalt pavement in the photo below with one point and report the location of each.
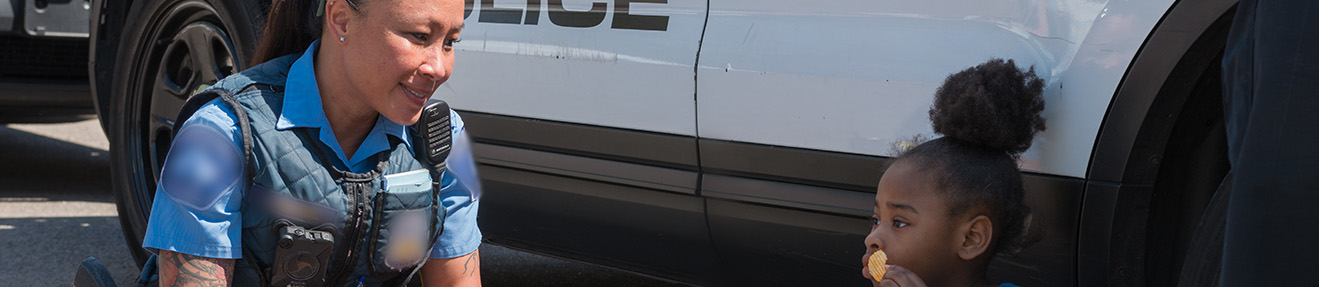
(56, 208)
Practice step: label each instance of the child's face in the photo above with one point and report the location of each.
(911, 224)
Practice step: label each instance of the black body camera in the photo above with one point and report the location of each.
(302, 257)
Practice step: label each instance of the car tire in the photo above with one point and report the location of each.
(167, 50)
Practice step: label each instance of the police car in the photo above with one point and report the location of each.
(739, 142)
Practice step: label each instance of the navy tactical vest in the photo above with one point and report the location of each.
(292, 180)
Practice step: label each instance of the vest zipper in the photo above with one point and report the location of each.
(375, 231)
(357, 201)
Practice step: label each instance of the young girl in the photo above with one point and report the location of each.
(946, 207)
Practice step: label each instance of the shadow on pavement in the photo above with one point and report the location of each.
(38, 166)
(56, 206)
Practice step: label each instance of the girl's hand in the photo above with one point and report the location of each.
(896, 276)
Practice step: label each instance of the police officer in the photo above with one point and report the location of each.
(304, 170)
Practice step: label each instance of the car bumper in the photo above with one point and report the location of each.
(30, 93)
(43, 72)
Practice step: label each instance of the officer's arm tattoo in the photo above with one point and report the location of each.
(472, 265)
(462, 271)
(178, 269)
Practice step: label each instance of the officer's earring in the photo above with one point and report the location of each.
(340, 38)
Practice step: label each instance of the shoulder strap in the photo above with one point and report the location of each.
(195, 103)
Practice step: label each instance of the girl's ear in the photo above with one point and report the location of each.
(976, 234)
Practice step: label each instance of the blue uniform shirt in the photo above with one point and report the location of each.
(196, 208)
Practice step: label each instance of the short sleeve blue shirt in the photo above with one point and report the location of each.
(197, 204)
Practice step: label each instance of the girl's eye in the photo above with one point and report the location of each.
(874, 221)
(898, 223)
(450, 42)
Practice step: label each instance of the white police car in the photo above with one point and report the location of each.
(740, 141)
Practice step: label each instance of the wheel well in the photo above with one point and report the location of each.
(1161, 151)
(1194, 156)
(1175, 163)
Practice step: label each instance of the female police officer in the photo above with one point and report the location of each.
(300, 170)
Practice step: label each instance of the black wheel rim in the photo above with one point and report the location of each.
(188, 50)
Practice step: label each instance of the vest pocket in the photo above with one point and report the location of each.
(403, 226)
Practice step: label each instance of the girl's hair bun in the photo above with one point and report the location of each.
(994, 105)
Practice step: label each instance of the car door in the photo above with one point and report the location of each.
(583, 114)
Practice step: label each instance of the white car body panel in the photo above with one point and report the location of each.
(622, 78)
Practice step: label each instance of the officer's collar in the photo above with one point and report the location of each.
(302, 109)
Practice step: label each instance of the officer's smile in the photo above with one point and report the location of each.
(416, 92)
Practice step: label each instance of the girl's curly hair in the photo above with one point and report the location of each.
(988, 115)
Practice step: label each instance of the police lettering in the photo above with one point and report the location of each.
(623, 18)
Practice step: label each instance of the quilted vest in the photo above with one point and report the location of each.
(292, 180)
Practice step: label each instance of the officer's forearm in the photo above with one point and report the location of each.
(178, 269)
(464, 271)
